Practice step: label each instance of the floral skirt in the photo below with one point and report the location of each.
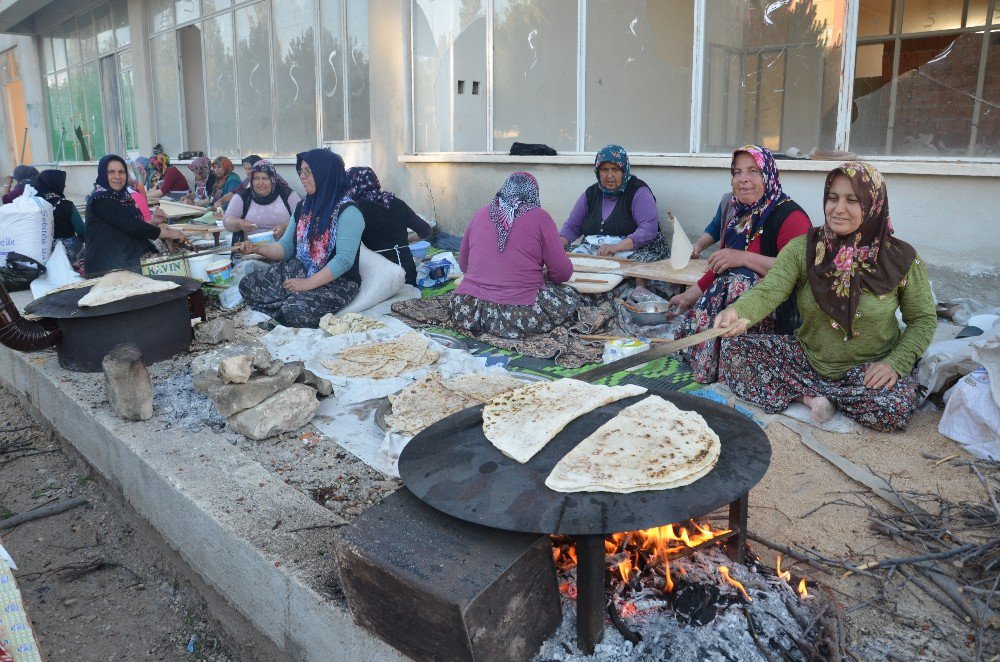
(727, 288)
(554, 307)
(772, 371)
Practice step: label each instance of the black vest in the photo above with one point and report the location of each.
(619, 222)
(787, 314)
(354, 273)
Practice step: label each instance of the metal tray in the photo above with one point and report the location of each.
(446, 340)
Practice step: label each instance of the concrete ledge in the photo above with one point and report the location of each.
(228, 517)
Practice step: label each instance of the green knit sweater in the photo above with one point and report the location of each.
(825, 346)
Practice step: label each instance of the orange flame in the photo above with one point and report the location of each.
(787, 576)
(803, 593)
(625, 569)
(670, 580)
(724, 571)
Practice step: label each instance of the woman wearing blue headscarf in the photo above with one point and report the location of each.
(617, 214)
(317, 270)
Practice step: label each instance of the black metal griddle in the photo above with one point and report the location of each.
(159, 324)
(453, 467)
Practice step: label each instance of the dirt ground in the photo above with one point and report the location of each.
(96, 586)
(907, 624)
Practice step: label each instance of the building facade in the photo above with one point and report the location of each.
(433, 94)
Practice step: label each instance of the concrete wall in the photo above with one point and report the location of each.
(31, 77)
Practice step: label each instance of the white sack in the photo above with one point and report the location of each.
(27, 227)
(58, 272)
(972, 417)
(380, 280)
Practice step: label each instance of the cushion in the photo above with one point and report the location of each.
(380, 280)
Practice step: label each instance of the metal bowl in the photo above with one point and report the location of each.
(652, 312)
(448, 341)
(384, 409)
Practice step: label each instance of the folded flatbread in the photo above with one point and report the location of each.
(337, 325)
(521, 422)
(119, 285)
(383, 359)
(433, 398)
(651, 445)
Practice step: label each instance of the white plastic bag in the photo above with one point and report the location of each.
(972, 417)
(58, 272)
(27, 227)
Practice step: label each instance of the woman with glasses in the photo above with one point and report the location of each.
(316, 270)
(617, 215)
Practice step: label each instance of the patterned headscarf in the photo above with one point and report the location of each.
(245, 161)
(316, 231)
(869, 258)
(102, 187)
(202, 168)
(220, 182)
(613, 154)
(50, 185)
(519, 194)
(137, 173)
(277, 188)
(748, 220)
(365, 186)
(143, 168)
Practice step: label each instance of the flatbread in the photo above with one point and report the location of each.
(119, 285)
(337, 325)
(522, 422)
(433, 398)
(587, 263)
(651, 445)
(383, 359)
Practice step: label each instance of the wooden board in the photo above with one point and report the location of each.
(662, 270)
(177, 209)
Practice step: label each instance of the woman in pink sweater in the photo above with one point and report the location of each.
(506, 251)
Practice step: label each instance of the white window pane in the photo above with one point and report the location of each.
(52, 108)
(220, 81)
(123, 33)
(929, 15)
(294, 75)
(187, 10)
(534, 57)
(67, 134)
(94, 119)
(59, 50)
(253, 67)
(772, 74)
(166, 91)
(988, 139)
(209, 6)
(334, 80)
(88, 40)
(638, 75)
(125, 59)
(161, 15)
(49, 64)
(105, 29)
(126, 91)
(72, 35)
(449, 60)
(875, 18)
(358, 102)
(77, 114)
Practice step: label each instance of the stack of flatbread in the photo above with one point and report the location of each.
(119, 285)
(383, 359)
(337, 325)
(433, 398)
(651, 445)
(522, 422)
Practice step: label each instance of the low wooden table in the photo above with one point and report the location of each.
(647, 271)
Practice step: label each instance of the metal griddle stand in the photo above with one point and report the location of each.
(591, 572)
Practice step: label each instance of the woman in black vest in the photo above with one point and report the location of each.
(762, 219)
(387, 220)
(618, 212)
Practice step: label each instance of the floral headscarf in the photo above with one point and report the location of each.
(748, 220)
(519, 194)
(142, 167)
(316, 230)
(366, 186)
(277, 187)
(202, 168)
(870, 258)
(138, 174)
(613, 154)
(220, 182)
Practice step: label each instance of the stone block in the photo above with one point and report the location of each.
(206, 380)
(323, 386)
(236, 369)
(439, 588)
(215, 332)
(230, 399)
(285, 411)
(128, 384)
(211, 359)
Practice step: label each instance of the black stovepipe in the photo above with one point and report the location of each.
(21, 334)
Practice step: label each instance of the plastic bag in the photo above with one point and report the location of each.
(972, 417)
(26, 227)
(19, 271)
(433, 273)
(58, 272)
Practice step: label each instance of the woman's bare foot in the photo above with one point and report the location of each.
(821, 409)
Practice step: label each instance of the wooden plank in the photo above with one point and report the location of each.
(662, 271)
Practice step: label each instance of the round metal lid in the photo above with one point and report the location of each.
(453, 467)
(64, 304)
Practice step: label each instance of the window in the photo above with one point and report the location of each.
(294, 75)
(926, 80)
(89, 92)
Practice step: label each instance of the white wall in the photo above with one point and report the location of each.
(31, 77)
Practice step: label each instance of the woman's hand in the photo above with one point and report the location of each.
(188, 199)
(279, 230)
(683, 301)
(726, 259)
(158, 216)
(730, 318)
(168, 233)
(604, 250)
(245, 248)
(299, 285)
(880, 375)
(247, 226)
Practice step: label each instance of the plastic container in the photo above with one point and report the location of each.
(220, 272)
(619, 349)
(198, 266)
(262, 238)
(419, 249)
(230, 297)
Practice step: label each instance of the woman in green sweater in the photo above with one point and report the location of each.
(850, 275)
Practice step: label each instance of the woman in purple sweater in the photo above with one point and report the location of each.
(506, 251)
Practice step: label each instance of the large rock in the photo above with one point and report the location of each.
(211, 359)
(284, 411)
(232, 398)
(214, 332)
(323, 386)
(127, 382)
(206, 380)
(236, 369)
